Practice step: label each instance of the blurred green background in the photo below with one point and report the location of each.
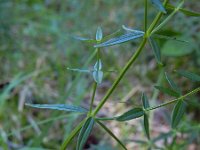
(37, 45)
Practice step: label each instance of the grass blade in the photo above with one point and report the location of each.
(121, 39)
(167, 91)
(192, 76)
(156, 50)
(112, 134)
(84, 133)
(159, 5)
(172, 84)
(178, 113)
(69, 108)
(131, 114)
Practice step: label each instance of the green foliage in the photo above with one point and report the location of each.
(64, 107)
(192, 76)
(178, 112)
(131, 114)
(44, 29)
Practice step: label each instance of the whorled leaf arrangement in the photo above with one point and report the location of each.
(84, 128)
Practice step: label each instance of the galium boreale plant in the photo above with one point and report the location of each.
(126, 34)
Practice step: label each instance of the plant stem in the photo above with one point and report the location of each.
(93, 96)
(124, 70)
(111, 134)
(145, 16)
(72, 134)
(129, 63)
(168, 18)
(156, 20)
(174, 100)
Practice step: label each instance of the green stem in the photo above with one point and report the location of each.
(72, 134)
(93, 96)
(156, 20)
(129, 63)
(111, 134)
(174, 100)
(145, 16)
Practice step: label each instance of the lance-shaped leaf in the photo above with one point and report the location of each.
(121, 39)
(167, 91)
(146, 125)
(156, 50)
(189, 75)
(84, 39)
(64, 107)
(131, 114)
(79, 70)
(159, 36)
(178, 113)
(99, 34)
(172, 84)
(184, 11)
(132, 30)
(84, 133)
(158, 5)
(145, 101)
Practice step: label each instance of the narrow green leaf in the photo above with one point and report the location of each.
(146, 125)
(131, 114)
(79, 70)
(121, 39)
(84, 133)
(156, 50)
(84, 39)
(172, 84)
(145, 101)
(167, 91)
(184, 11)
(189, 75)
(178, 113)
(64, 107)
(99, 34)
(159, 5)
(112, 134)
(132, 30)
(159, 36)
